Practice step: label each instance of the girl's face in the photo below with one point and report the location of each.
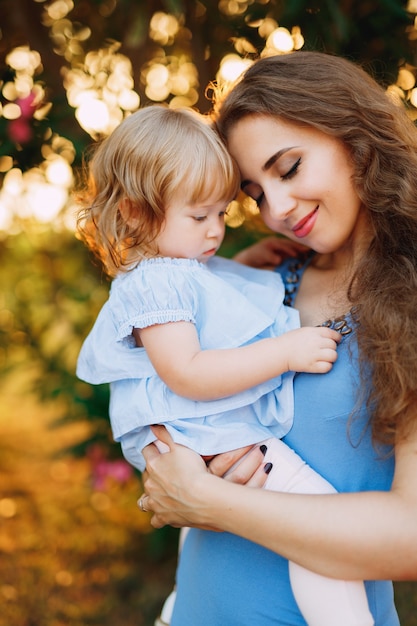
(192, 232)
(301, 179)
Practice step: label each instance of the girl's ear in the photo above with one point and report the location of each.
(128, 212)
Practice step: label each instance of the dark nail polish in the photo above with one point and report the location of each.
(268, 467)
(263, 449)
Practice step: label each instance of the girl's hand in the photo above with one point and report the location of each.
(311, 349)
(244, 466)
(269, 252)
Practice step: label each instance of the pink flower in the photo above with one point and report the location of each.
(20, 130)
(102, 468)
(26, 105)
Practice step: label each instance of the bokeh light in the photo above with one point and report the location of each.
(101, 90)
(406, 79)
(240, 210)
(24, 60)
(282, 41)
(68, 36)
(163, 27)
(234, 7)
(39, 192)
(171, 78)
(231, 67)
(404, 90)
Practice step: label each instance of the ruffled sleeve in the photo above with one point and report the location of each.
(157, 291)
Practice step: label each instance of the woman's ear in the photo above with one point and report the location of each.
(128, 212)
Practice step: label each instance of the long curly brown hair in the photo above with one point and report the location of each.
(339, 98)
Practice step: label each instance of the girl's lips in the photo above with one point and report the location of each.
(305, 226)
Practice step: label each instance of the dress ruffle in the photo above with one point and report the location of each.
(230, 304)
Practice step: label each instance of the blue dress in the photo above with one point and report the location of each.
(224, 580)
(231, 305)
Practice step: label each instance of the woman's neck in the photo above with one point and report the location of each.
(324, 287)
(322, 294)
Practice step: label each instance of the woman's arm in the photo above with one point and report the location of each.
(269, 252)
(176, 355)
(369, 535)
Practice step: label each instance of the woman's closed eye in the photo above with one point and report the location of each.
(259, 199)
(292, 171)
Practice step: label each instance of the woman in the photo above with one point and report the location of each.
(331, 162)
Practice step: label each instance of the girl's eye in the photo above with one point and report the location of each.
(292, 171)
(200, 218)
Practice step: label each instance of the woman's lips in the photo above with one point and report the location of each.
(305, 226)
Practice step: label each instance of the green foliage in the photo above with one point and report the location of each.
(372, 32)
(51, 295)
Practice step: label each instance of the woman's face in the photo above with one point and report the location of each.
(301, 179)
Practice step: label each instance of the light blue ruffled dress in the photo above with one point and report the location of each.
(231, 305)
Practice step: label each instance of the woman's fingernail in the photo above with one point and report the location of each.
(268, 467)
(263, 449)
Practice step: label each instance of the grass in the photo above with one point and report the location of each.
(72, 555)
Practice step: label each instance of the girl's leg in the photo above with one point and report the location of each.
(322, 601)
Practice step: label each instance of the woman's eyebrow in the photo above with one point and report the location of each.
(269, 163)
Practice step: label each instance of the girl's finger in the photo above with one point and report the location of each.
(246, 468)
(163, 435)
(150, 452)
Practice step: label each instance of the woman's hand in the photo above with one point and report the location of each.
(175, 482)
(170, 483)
(269, 252)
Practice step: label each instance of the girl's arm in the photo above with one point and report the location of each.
(176, 355)
(369, 535)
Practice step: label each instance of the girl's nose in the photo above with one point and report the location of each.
(216, 228)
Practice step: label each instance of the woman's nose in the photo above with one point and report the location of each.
(279, 204)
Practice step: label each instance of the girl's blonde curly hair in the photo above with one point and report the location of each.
(154, 157)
